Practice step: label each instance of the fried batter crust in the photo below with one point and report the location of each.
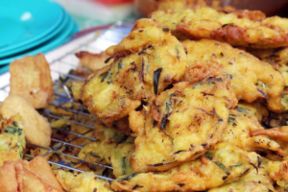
(186, 121)
(278, 172)
(142, 65)
(151, 48)
(81, 182)
(12, 141)
(108, 101)
(251, 79)
(23, 176)
(241, 123)
(93, 61)
(257, 180)
(31, 79)
(222, 165)
(36, 127)
(246, 29)
(279, 60)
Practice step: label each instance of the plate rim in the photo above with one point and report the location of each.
(61, 39)
(34, 44)
(61, 12)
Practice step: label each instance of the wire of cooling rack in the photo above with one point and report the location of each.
(62, 61)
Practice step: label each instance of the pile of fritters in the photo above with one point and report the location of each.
(191, 90)
(195, 98)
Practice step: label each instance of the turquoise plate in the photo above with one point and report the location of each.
(56, 41)
(24, 22)
(34, 44)
(4, 69)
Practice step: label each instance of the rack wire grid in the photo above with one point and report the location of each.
(62, 61)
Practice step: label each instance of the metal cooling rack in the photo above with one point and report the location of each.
(63, 60)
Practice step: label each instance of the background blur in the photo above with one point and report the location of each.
(40, 26)
(89, 13)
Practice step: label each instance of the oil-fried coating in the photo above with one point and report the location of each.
(236, 29)
(279, 60)
(83, 182)
(36, 128)
(93, 61)
(187, 120)
(159, 59)
(107, 100)
(31, 79)
(257, 180)
(76, 89)
(278, 172)
(118, 155)
(23, 176)
(278, 133)
(143, 64)
(241, 123)
(12, 141)
(251, 79)
(112, 147)
(221, 165)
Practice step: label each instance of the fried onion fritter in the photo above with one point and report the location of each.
(36, 128)
(93, 61)
(81, 182)
(112, 147)
(257, 180)
(279, 60)
(118, 155)
(251, 79)
(157, 57)
(238, 30)
(139, 70)
(31, 79)
(242, 121)
(108, 101)
(186, 121)
(33, 176)
(278, 172)
(279, 133)
(223, 164)
(12, 141)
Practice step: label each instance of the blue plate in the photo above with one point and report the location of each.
(4, 69)
(24, 22)
(34, 44)
(56, 41)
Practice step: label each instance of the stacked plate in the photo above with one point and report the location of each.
(30, 27)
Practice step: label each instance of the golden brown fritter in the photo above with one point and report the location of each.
(251, 79)
(82, 182)
(142, 65)
(186, 121)
(279, 133)
(278, 172)
(242, 121)
(33, 176)
(12, 141)
(106, 100)
(31, 79)
(279, 60)
(93, 61)
(36, 128)
(112, 147)
(158, 59)
(257, 180)
(118, 155)
(244, 29)
(221, 165)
